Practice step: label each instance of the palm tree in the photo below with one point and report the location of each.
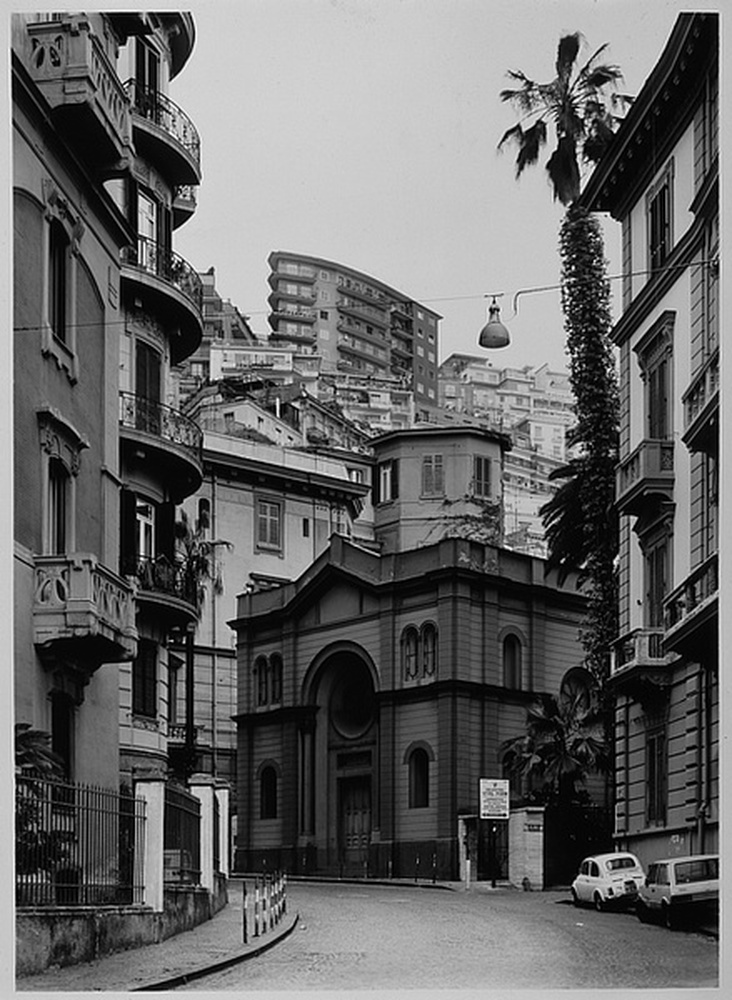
(577, 104)
(196, 559)
(580, 105)
(562, 746)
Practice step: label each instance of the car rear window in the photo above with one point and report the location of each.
(614, 864)
(699, 870)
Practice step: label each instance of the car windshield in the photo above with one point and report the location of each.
(699, 870)
(615, 864)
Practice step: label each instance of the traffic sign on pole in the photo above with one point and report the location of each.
(494, 798)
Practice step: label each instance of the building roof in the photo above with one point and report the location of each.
(656, 118)
(445, 431)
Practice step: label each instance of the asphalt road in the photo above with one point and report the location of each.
(352, 937)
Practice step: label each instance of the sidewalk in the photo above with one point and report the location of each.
(213, 945)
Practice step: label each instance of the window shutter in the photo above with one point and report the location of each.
(165, 530)
(375, 485)
(394, 478)
(128, 532)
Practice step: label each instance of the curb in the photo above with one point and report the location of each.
(206, 970)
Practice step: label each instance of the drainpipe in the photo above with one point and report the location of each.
(190, 732)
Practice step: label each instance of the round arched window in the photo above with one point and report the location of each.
(352, 701)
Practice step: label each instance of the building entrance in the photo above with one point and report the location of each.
(354, 823)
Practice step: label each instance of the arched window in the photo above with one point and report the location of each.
(512, 662)
(268, 793)
(419, 779)
(260, 680)
(429, 649)
(410, 644)
(275, 678)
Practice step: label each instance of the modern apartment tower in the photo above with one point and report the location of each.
(358, 324)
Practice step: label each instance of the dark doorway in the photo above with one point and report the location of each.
(354, 823)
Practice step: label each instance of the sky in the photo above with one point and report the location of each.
(366, 132)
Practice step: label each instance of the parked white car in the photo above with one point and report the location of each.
(608, 880)
(678, 888)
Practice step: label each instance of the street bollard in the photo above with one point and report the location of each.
(256, 906)
(416, 870)
(244, 934)
(434, 867)
(284, 893)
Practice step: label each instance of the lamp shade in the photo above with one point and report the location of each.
(494, 333)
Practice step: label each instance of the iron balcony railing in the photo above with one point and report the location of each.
(77, 845)
(642, 647)
(158, 108)
(696, 592)
(159, 575)
(182, 836)
(155, 258)
(142, 414)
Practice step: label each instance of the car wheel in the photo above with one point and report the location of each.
(667, 918)
(599, 902)
(641, 911)
(575, 898)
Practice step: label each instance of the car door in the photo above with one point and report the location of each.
(655, 882)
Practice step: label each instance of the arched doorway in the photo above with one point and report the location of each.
(343, 759)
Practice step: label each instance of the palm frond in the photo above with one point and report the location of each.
(563, 170)
(531, 142)
(567, 51)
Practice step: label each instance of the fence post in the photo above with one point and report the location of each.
(244, 933)
(256, 906)
(284, 892)
(152, 790)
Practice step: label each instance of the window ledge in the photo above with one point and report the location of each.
(64, 357)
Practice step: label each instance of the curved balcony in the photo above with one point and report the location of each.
(298, 315)
(164, 588)
(280, 292)
(164, 134)
(645, 477)
(172, 287)
(701, 408)
(69, 65)
(82, 612)
(166, 439)
(185, 202)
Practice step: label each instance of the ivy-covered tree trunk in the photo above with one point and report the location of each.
(586, 307)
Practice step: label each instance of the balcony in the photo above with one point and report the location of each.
(166, 438)
(366, 313)
(185, 202)
(164, 134)
(69, 65)
(172, 287)
(82, 612)
(297, 314)
(298, 295)
(164, 588)
(701, 408)
(691, 611)
(640, 662)
(645, 476)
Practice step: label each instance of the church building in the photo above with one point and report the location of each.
(376, 691)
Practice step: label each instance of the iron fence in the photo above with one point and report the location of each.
(77, 845)
(182, 836)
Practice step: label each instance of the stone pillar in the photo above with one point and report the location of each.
(223, 794)
(153, 792)
(526, 847)
(202, 786)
